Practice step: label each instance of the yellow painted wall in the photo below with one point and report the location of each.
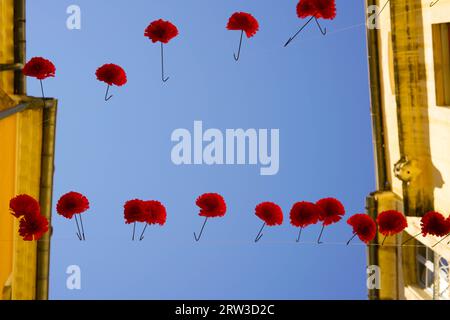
(28, 174)
(7, 187)
(20, 170)
(439, 115)
(8, 128)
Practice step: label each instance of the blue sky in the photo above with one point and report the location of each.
(315, 92)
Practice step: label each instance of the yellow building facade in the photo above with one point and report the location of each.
(27, 131)
(409, 66)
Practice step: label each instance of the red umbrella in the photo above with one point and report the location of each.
(363, 226)
(212, 205)
(270, 213)
(24, 205)
(244, 22)
(32, 225)
(390, 223)
(134, 211)
(72, 204)
(111, 74)
(155, 213)
(332, 212)
(161, 31)
(304, 214)
(316, 9)
(40, 69)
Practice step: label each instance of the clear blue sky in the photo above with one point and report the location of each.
(315, 91)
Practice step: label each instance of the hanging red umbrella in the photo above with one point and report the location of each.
(212, 205)
(161, 31)
(433, 223)
(40, 69)
(32, 225)
(332, 212)
(390, 223)
(243, 22)
(315, 9)
(270, 213)
(363, 226)
(73, 204)
(155, 213)
(304, 214)
(24, 205)
(135, 211)
(111, 74)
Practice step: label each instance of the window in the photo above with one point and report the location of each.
(444, 280)
(425, 267)
(441, 49)
(435, 284)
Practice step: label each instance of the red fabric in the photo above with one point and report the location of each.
(435, 224)
(135, 211)
(161, 30)
(211, 205)
(155, 212)
(270, 213)
(245, 22)
(391, 222)
(364, 226)
(304, 214)
(72, 203)
(112, 74)
(332, 210)
(39, 68)
(24, 205)
(325, 9)
(33, 227)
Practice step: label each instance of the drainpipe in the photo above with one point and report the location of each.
(372, 252)
(378, 134)
(376, 106)
(45, 198)
(19, 45)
